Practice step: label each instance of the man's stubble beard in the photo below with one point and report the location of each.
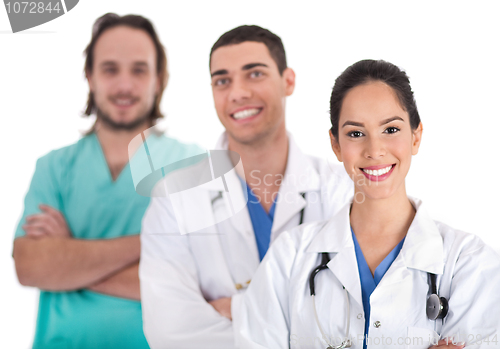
(122, 126)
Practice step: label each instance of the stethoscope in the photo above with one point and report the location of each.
(436, 307)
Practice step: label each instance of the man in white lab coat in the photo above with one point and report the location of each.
(191, 284)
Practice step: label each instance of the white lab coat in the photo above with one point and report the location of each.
(180, 273)
(277, 308)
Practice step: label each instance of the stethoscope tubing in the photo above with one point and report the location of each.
(346, 343)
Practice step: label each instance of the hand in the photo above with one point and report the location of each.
(447, 343)
(223, 306)
(50, 222)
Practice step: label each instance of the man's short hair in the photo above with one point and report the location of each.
(256, 34)
(111, 20)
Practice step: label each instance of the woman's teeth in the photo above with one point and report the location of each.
(245, 113)
(378, 172)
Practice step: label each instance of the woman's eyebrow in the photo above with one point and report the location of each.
(360, 124)
(386, 121)
(353, 123)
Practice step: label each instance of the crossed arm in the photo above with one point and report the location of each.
(49, 258)
(176, 312)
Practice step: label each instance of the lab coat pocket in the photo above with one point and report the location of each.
(420, 338)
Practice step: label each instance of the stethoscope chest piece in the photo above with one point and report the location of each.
(437, 307)
(345, 344)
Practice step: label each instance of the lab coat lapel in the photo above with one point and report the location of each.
(290, 205)
(300, 177)
(243, 225)
(423, 246)
(240, 222)
(335, 238)
(422, 249)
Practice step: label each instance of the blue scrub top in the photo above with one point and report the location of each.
(262, 221)
(76, 181)
(369, 282)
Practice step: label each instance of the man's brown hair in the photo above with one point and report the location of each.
(254, 33)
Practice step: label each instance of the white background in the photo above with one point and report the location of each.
(450, 50)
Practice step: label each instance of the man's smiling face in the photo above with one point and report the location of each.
(124, 80)
(249, 92)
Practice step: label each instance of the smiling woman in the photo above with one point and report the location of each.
(396, 276)
(376, 129)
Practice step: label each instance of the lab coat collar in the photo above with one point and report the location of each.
(300, 177)
(422, 249)
(300, 174)
(217, 185)
(241, 220)
(423, 246)
(222, 142)
(335, 238)
(335, 234)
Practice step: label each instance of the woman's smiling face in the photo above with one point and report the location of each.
(375, 140)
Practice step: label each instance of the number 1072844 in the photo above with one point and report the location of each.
(32, 7)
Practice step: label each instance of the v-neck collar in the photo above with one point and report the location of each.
(252, 198)
(105, 162)
(381, 269)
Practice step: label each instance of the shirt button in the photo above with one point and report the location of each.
(360, 316)
(377, 324)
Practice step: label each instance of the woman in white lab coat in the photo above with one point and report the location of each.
(390, 276)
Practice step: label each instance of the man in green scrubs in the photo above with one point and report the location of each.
(77, 240)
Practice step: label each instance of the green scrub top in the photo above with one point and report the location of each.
(76, 181)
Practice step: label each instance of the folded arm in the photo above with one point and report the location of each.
(264, 309)
(474, 300)
(48, 257)
(175, 311)
(63, 264)
(124, 284)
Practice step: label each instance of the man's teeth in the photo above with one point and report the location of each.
(378, 172)
(123, 101)
(245, 113)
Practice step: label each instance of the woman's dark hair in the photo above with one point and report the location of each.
(111, 20)
(370, 70)
(257, 34)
